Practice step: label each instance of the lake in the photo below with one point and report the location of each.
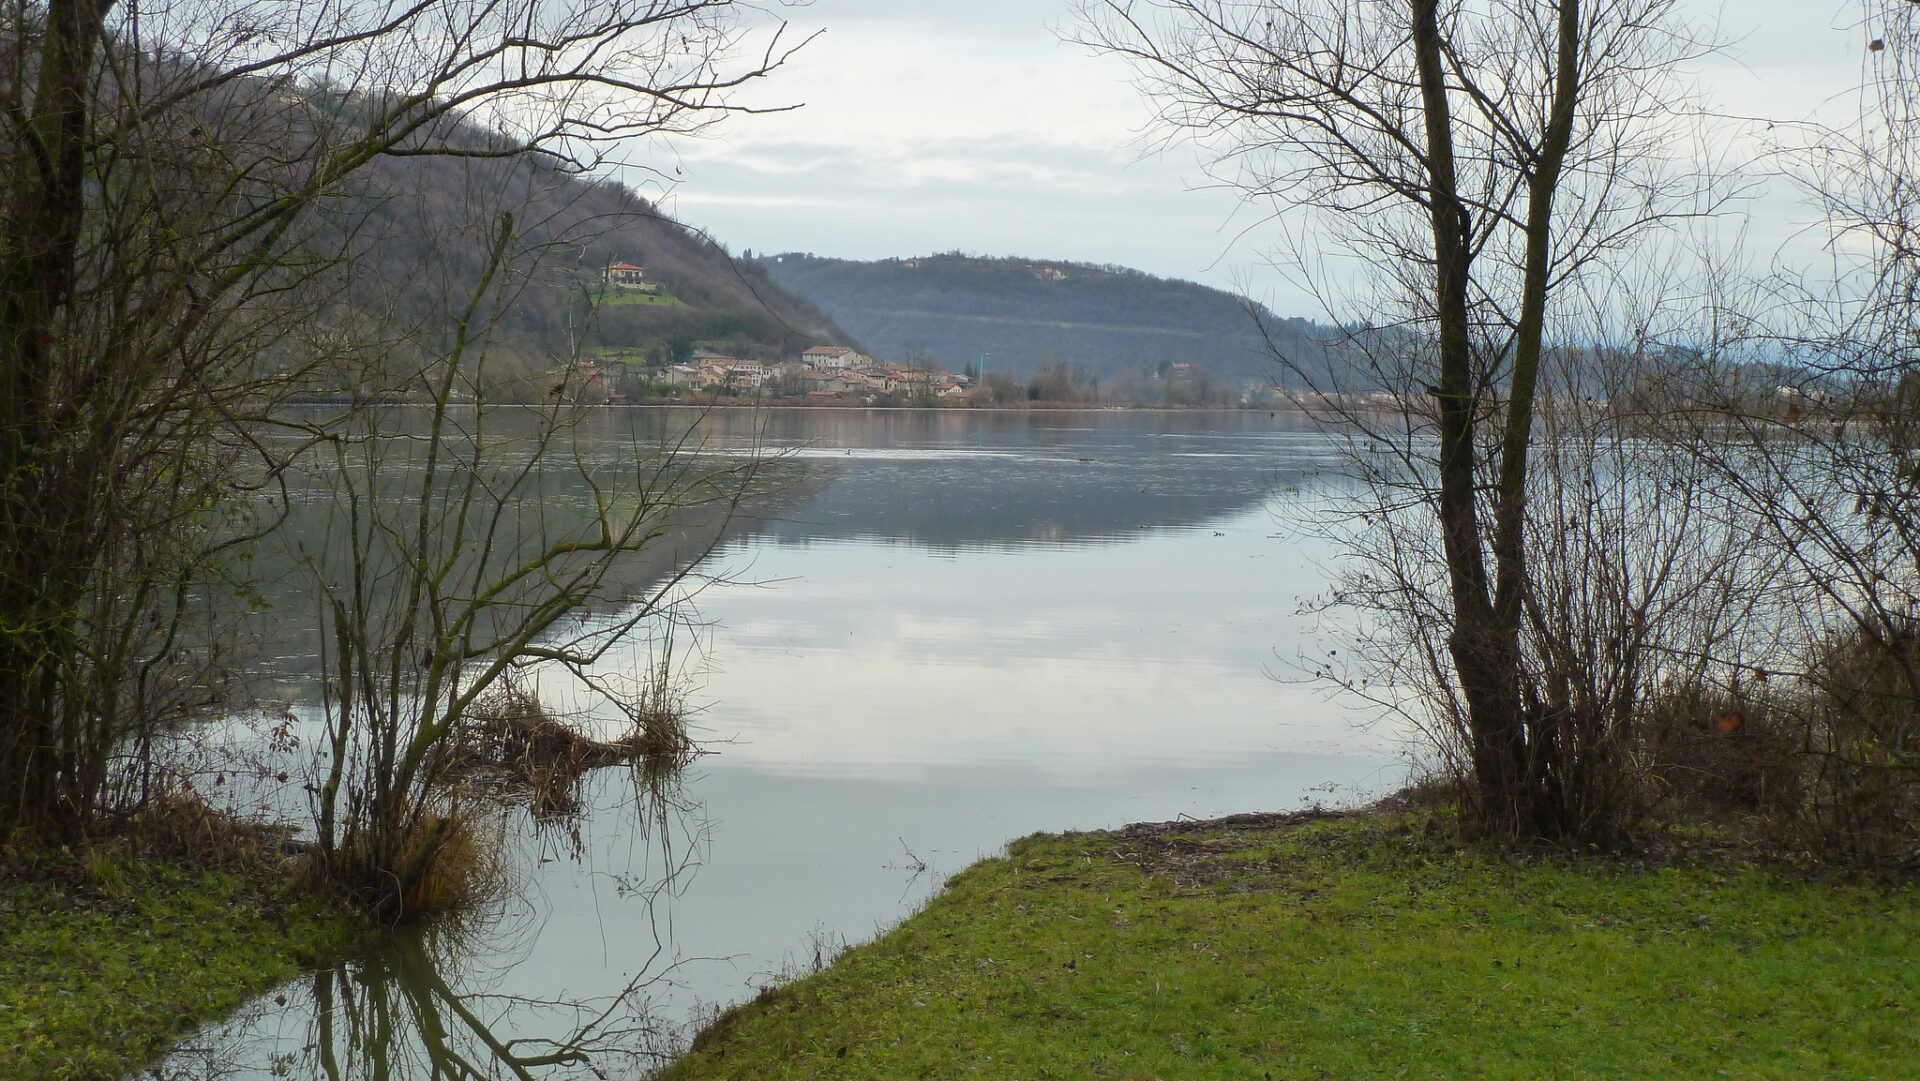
(947, 629)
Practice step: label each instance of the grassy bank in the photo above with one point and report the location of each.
(1351, 947)
(103, 968)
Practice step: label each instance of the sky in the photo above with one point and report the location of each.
(936, 125)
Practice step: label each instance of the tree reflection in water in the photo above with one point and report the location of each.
(394, 1017)
(423, 1004)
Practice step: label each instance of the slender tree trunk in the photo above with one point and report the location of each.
(41, 515)
(1535, 747)
(1484, 645)
(1513, 743)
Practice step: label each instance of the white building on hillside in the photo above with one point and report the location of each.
(834, 357)
(629, 276)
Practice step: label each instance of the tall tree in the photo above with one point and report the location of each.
(1479, 161)
(169, 176)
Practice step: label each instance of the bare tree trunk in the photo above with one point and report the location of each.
(40, 515)
(1537, 743)
(1485, 161)
(1513, 741)
(1484, 642)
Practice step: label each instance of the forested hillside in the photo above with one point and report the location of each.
(418, 231)
(1023, 315)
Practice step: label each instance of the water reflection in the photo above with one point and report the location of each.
(395, 1015)
(945, 629)
(468, 997)
(943, 480)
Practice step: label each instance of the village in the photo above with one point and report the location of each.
(829, 372)
(821, 373)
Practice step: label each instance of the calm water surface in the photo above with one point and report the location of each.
(951, 629)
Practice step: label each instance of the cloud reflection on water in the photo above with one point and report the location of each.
(973, 627)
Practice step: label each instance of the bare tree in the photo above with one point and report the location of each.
(171, 180)
(466, 542)
(1816, 408)
(1456, 171)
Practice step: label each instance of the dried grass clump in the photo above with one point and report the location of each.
(1706, 750)
(509, 736)
(659, 733)
(459, 863)
(174, 824)
(451, 859)
(1862, 740)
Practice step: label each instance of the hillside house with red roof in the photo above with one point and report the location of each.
(629, 276)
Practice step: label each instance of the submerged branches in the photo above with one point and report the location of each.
(468, 543)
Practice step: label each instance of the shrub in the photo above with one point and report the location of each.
(1827, 764)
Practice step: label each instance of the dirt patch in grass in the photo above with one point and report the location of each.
(1211, 853)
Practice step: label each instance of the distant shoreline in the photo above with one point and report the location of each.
(1035, 407)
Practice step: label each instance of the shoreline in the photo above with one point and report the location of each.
(104, 970)
(1356, 944)
(1360, 942)
(796, 406)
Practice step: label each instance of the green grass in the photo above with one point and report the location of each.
(1349, 948)
(99, 975)
(617, 298)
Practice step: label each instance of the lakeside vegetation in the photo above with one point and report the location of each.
(1353, 946)
(289, 224)
(1542, 592)
(106, 962)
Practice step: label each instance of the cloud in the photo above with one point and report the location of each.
(934, 125)
(1003, 166)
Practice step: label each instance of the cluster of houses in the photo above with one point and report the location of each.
(824, 371)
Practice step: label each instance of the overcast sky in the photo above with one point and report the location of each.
(934, 125)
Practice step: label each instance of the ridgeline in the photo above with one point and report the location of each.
(1023, 315)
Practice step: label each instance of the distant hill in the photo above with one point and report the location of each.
(400, 247)
(1023, 314)
(426, 212)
